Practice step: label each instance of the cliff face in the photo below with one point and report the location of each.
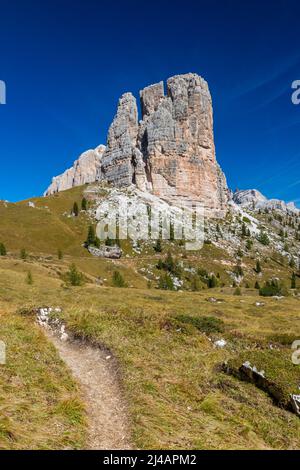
(171, 151)
(254, 200)
(84, 170)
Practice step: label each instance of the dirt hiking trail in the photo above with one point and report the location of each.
(106, 409)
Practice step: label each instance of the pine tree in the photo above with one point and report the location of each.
(238, 270)
(293, 281)
(29, 278)
(256, 286)
(166, 282)
(109, 242)
(258, 267)
(212, 281)
(249, 244)
(23, 254)
(60, 254)
(84, 204)
(172, 234)
(74, 276)
(118, 280)
(2, 249)
(237, 291)
(75, 210)
(244, 230)
(292, 263)
(97, 242)
(91, 236)
(263, 238)
(157, 246)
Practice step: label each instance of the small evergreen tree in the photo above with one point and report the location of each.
(169, 263)
(238, 270)
(195, 284)
(212, 281)
(249, 244)
(237, 291)
(90, 236)
(258, 267)
(263, 238)
(29, 278)
(256, 285)
(166, 282)
(23, 254)
(118, 280)
(272, 288)
(244, 230)
(293, 281)
(292, 263)
(172, 234)
(109, 242)
(2, 249)
(74, 276)
(75, 210)
(84, 204)
(97, 242)
(60, 254)
(158, 246)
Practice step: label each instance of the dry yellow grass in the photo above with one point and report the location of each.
(177, 396)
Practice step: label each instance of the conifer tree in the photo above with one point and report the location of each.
(2, 249)
(75, 209)
(84, 204)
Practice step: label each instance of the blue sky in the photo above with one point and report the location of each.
(65, 64)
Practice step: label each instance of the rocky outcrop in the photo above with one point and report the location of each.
(178, 145)
(84, 170)
(112, 252)
(171, 151)
(117, 163)
(255, 200)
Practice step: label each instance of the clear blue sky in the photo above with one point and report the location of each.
(65, 64)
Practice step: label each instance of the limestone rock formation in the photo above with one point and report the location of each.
(171, 151)
(253, 199)
(112, 252)
(84, 170)
(176, 138)
(117, 163)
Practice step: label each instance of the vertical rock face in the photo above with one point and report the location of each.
(118, 159)
(84, 170)
(171, 151)
(176, 138)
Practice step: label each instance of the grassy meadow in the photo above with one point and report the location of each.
(170, 371)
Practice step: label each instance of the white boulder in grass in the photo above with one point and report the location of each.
(220, 343)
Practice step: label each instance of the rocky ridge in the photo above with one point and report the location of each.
(255, 200)
(84, 170)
